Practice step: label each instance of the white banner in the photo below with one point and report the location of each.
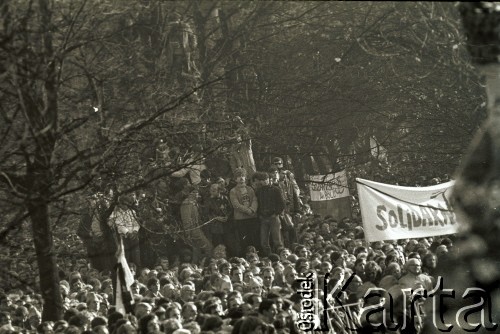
(392, 212)
(328, 187)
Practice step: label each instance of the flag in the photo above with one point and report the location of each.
(351, 322)
(124, 300)
(345, 319)
(330, 195)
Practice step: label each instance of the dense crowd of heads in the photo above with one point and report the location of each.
(255, 289)
(250, 294)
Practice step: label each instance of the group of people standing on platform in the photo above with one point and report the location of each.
(193, 219)
(257, 211)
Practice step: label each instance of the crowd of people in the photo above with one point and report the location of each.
(243, 272)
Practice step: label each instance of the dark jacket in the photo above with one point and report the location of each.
(270, 201)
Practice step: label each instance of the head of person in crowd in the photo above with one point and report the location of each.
(247, 309)
(210, 269)
(302, 264)
(373, 272)
(189, 328)
(164, 263)
(149, 324)
(189, 312)
(350, 246)
(447, 242)
(251, 254)
(214, 190)
(212, 323)
(96, 284)
(278, 270)
(153, 285)
(338, 259)
(377, 245)
(350, 261)
(237, 295)
(392, 257)
(160, 311)
(107, 287)
(20, 316)
(290, 275)
(101, 329)
(413, 266)
(142, 309)
(236, 274)
(429, 263)
(251, 325)
(337, 276)
(254, 265)
(60, 326)
(135, 288)
(393, 269)
(277, 162)
(76, 284)
(171, 325)
(225, 268)
(173, 311)
(268, 310)
(284, 254)
(255, 286)
(98, 320)
(64, 289)
(222, 184)
(380, 260)
(213, 306)
(45, 327)
(93, 301)
(233, 302)
(126, 328)
(441, 250)
(253, 299)
(224, 284)
(354, 285)
(325, 267)
(387, 247)
(240, 176)
(302, 252)
(80, 321)
(187, 293)
(274, 175)
(359, 267)
(247, 276)
(169, 291)
(411, 246)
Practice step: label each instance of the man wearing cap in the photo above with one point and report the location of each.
(288, 185)
(291, 194)
(270, 205)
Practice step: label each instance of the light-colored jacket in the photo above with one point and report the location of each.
(242, 199)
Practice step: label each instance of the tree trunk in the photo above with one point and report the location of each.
(44, 247)
(44, 121)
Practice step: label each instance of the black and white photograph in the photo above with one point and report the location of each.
(249, 167)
